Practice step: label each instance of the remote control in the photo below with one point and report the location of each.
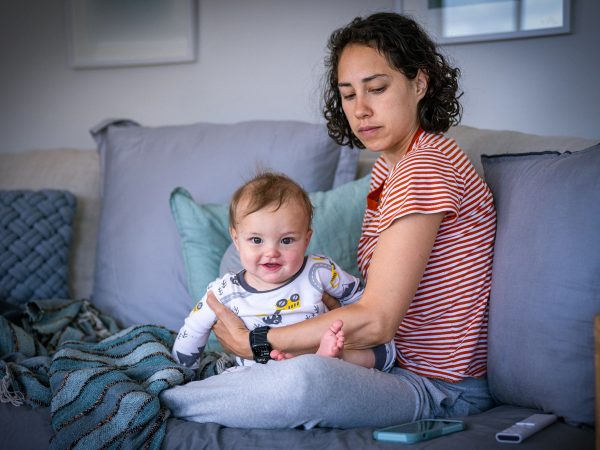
(525, 428)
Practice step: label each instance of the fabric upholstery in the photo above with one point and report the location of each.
(204, 234)
(546, 280)
(35, 237)
(139, 270)
(477, 141)
(479, 434)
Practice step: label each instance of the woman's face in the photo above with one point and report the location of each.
(379, 101)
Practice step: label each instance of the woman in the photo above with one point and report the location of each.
(425, 252)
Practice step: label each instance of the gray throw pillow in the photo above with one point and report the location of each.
(545, 281)
(35, 236)
(139, 276)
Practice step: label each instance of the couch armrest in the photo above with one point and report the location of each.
(597, 358)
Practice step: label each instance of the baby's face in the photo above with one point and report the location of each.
(272, 244)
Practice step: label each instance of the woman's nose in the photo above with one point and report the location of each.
(361, 107)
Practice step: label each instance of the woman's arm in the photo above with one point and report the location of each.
(396, 269)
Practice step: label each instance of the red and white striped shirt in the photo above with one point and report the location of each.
(444, 332)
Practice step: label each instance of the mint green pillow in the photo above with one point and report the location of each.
(204, 231)
(337, 222)
(204, 234)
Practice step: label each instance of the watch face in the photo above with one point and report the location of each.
(262, 353)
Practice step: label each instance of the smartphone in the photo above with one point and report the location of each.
(421, 430)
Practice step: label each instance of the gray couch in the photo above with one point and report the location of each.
(126, 255)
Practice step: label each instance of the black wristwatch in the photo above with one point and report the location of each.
(259, 344)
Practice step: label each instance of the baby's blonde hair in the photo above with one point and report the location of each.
(268, 189)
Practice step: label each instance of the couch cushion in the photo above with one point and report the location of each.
(139, 270)
(477, 141)
(204, 234)
(25, 428)
(545, 281)
(35, 237)
(76, 171)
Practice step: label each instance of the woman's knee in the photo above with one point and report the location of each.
(301, 372)
(302, 378)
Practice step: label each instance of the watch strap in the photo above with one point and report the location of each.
(261, 349)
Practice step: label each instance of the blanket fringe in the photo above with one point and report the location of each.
(214, 363)
(7, 395)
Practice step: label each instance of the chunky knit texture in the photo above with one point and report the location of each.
(35, 235)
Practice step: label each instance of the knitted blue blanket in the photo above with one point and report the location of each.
(102, 393)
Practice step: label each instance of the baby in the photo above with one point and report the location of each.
(270, 224)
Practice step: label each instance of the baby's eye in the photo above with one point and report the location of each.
(287, 240)
(255, 240)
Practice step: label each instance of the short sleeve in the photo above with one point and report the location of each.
(424, 182)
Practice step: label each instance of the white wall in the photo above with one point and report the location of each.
(262, 59)
(547, 85)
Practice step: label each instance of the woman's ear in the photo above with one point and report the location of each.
(422, 83)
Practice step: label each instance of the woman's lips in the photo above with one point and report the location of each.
(368, 131)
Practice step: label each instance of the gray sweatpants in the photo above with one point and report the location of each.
(312, 391)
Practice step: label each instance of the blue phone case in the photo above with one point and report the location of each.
(421, 430)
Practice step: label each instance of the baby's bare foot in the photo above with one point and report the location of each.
(332, 342)
(279, 355)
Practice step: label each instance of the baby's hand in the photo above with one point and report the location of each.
(330, 302)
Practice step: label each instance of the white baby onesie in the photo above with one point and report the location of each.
(297, 300)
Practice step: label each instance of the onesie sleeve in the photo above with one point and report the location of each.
(340, 284)
(193, 335)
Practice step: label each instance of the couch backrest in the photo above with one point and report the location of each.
(78, 171)
(545, 280)
(476, 141)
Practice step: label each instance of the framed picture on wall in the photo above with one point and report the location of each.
(111, 33)
(460, 21)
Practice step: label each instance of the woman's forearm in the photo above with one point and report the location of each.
(396, 270)
(361, 329)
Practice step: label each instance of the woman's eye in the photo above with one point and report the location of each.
(378, 90)
(348, 96)
(287, 241)
(255, 240)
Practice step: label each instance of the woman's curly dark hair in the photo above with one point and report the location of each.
(407, 48)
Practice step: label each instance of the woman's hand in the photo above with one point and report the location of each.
(229, 329)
